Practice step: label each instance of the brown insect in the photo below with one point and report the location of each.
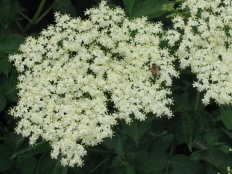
(155, 70)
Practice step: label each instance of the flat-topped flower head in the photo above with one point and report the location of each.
(76, 68)
(206, 47)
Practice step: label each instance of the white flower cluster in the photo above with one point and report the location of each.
(206, 47)
(75, 69)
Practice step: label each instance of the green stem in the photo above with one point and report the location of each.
(171, 152)
(167, 168)
(104, 168)
(25, 17)
(44, 14)
(36, 16)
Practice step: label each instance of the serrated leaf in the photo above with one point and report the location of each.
(214, 157)
(46, 165)
(161, 144)
(119, 148)
(13, 140)
(184, 165)
(32, 150)
(129, 4)
(5, 162)
(10, 43)
(148, 8)
(226, 116)
(109, 143)
(136, 129)
(193, 124)
(155, 163)
(64, 7)
(58, 169)
(26, 165)
(5, 66)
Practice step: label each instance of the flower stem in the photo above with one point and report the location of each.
(36, 16)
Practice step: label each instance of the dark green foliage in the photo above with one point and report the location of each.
(25, 151)
(64, 7)
(195, 141)
(5, 161)
(10, 43)
(149, 8)
(9, 9)
(48, 166)
(225, 116)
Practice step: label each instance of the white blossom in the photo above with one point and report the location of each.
(70, 73)
(206, 47)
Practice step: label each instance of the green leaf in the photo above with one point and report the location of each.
(32, 150)
(11, 94)
(3, 102)
(120, 151)
(46, 165)
(109, 143)
(26, 165)
(4, 85)
(120, 148)
(136, 129)
(129, 4)
(130, 169)
(181, 102)
(58, 169)
(214, 157)
(161, 144)
(226, 116)
(155, 163)
(184, 165)
(8, 10)
(13, 140)
(8, 86)
(10, 43)
(149, 8)
(5, 66)
(64, 7)
(192, 124)
(5, 162)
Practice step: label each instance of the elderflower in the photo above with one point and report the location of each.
(206, 47)
(76, 68)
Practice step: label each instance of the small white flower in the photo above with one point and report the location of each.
(206, 47)
(70, 73)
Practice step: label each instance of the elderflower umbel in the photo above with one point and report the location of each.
(206, 47)
(74, 69)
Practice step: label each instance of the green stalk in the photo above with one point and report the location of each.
(36, 16)
(171, 152)
(25, 17)
(44, 14)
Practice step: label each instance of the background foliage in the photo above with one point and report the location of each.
(195, 141)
